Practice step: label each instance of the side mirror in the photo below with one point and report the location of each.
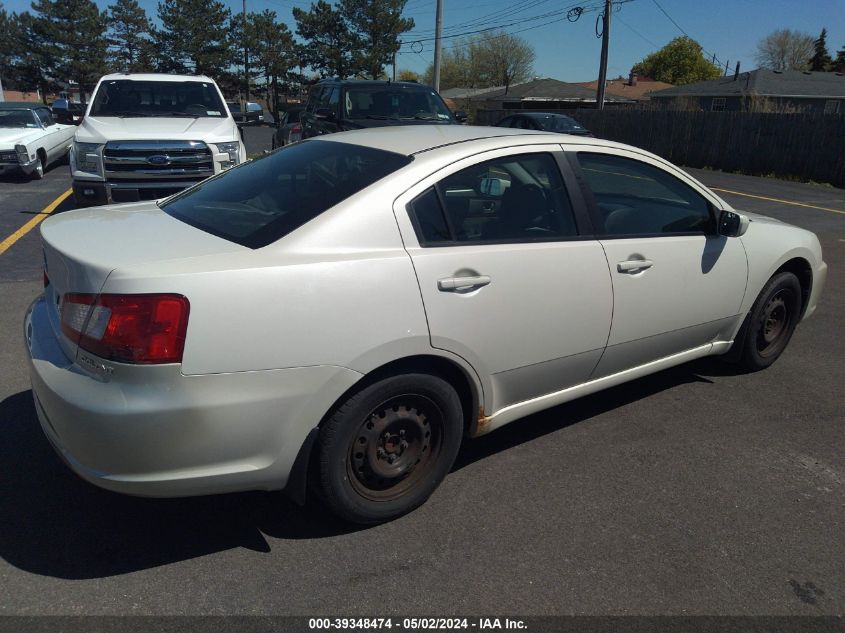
(325, 114)
(461, 116)
(733, 224)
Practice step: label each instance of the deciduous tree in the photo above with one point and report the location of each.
(785, 49)
(484, 61)
(680, 62)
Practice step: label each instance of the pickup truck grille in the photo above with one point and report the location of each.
(8, 156)
(158, 161)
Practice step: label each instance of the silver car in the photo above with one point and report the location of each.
(349, 310)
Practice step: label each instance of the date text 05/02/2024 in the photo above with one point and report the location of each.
(415, 624)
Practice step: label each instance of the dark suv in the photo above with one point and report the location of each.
(335, 105)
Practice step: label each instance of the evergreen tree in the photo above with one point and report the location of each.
(195, 37)
(838, 65)
(821, 59)
(376, 25)
(26, 52)
(69, 36)
(129, 29)
(330, 44)
(274, 51)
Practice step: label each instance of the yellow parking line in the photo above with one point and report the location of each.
(26, 228)
(797, 204)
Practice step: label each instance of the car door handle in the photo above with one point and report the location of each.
(634, 265)
(451, 284)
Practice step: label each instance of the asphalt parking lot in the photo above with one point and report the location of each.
(692, 491)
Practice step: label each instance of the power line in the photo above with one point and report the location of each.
(672, 20)
(509, 24)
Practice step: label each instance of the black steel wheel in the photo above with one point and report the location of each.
(772, 321)
(388, 447)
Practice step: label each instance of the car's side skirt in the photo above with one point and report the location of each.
(527, 407)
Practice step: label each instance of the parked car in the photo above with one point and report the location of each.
(336, 105)
(289, 128)
(68, 112)
(350, 308)
(30, 139)
(148, 136)
(254, 112)
(545, 121)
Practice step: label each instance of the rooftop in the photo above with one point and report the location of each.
(546, 90)
(621, 87)
(413, 139)
(764, 83)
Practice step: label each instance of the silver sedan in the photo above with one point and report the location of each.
(350, 309)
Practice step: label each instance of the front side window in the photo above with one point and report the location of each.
(635, 198)
(513, 199)
(45, 118)
(263, 200)
(128, 98)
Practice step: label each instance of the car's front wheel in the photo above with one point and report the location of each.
(387, 448)
(40, 166)
(772, 321)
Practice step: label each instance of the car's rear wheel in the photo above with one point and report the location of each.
(387, 448)
(772, 321)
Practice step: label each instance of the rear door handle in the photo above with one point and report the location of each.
(451, 284)
(634, 265)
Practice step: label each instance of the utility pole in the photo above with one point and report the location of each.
(246, 66)
(394, 65)
(438, 31)
(605, 37)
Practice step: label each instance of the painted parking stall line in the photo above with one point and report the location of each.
(792, 202)
(26, 228)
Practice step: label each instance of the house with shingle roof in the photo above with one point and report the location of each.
(771, 90)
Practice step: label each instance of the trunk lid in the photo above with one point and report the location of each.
(82, 248)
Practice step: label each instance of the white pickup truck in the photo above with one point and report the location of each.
(147, 136)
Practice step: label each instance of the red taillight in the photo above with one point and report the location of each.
(128, 328)
(296, 129)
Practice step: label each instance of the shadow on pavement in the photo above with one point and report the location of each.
(55, 524)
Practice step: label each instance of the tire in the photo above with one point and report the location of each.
(771, 322)
(387, 448)
(38, 174)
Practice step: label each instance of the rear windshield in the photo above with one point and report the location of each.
(263, 200)
(386, 102)
(127, 98)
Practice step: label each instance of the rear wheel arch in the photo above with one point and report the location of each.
(439, 366)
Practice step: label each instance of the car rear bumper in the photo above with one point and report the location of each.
(152, 431)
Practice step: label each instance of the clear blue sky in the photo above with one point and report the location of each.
(569, 51)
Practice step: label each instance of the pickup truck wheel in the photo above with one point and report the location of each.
(388, 447)
(772, 321)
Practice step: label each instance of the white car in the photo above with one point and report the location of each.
(349, 309)
(30, 139)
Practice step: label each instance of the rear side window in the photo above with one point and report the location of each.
(635, 198)
(260, 202)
